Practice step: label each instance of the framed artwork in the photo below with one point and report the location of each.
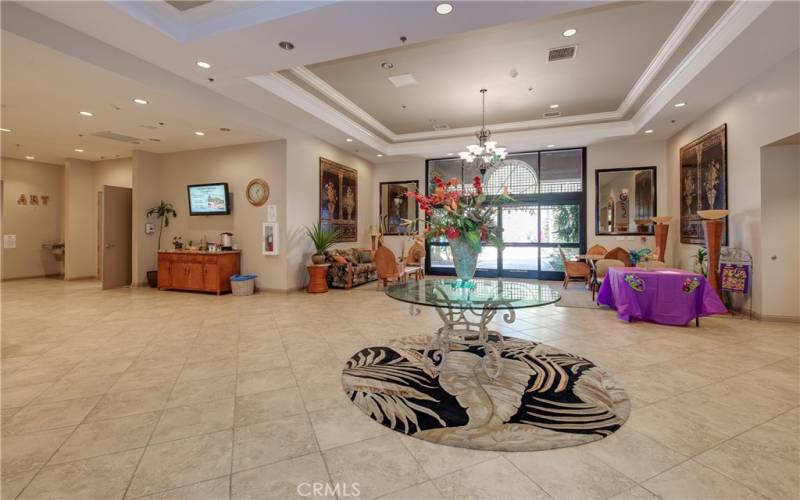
(704, 183)
(269, 238)
(396, 207)
(338, 199)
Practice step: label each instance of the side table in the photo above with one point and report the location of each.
(317, 278)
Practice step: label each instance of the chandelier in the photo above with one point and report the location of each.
(486, 154)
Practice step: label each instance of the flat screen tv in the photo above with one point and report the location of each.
(209, 199)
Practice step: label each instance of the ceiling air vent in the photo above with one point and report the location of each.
(403, 80)
(551, 114)
(562, 53)
(117, 137)
(441, 126)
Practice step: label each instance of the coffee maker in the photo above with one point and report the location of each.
(227, 241)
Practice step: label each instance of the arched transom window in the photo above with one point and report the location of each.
(516, 175)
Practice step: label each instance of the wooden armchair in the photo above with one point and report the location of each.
(414, 260)
(574, 269)
(601, 269)
(386, 266)
(597, 250)
(620, 254)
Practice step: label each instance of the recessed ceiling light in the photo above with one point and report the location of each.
(648, 131)
(5, 130)
(444, 9)
(29, 157)
(680, 104)
(140, 101)
(553, 106)
(203, 64)
(570, 32)
(78, 150)
(450, 154)
(199, 132)
(551, 145)
(286, 45)
(349, 140)
(379, 155)
(87, 113)
(387, 65)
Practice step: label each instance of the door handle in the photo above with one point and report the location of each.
(109, 245)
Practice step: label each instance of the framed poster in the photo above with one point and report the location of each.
(338, 199)
(704, 183)
(269, 238)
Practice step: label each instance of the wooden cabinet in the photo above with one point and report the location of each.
(197, 271)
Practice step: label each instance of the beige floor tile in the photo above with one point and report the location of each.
(29, 452)
(264, 380)
(142, 378)
(215, 489)
(554, 471)
(193, 419)
(344, 425)
(208, 369)
(635, 493)
(495, 479)
(438, 460)
(107, 436)
(252, 361)
(173, 464)
(637, 456)
(12, 485)
(269, 405)
(379, 465)
(21, 395)
(290, 479)
(670, 426)
(67, 388)
(103, 477)
(324, 396)
(49, 416)
(424, 491)
(693, 480)
(197, 391)
(121, 404)
(272, 441)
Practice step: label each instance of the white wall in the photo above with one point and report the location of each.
(760, 113)
(627, 153)
(780, 215)
(302, 188)
(33, 225)
(79, 220)
(146, 180)
(236, 165)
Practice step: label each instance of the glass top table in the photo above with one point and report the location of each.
(467, 310)
(482, 294)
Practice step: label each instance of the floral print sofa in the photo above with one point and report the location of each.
(350, 267)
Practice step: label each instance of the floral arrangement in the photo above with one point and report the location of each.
(690, 284)
(641, 255)
(456, 212)
(635, 282)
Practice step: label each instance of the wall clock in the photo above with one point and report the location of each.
(257, 192)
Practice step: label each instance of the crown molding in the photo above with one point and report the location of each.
(729, 26)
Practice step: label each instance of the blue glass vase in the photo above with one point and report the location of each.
(465, 259)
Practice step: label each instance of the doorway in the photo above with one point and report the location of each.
(115, 237)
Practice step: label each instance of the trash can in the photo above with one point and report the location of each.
(243, 284)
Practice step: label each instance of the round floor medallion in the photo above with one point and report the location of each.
(542, 398)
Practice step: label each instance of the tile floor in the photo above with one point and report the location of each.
(138, 393)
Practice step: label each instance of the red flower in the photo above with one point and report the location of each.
(452, 233)
(438, 181)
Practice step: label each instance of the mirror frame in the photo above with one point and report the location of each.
(380, 205)
(654, 189)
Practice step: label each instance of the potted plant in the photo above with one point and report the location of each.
(323, 239)
(700, 261)
(163, 212)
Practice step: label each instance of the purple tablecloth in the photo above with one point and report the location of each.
(669, 296)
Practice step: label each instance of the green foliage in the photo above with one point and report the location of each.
(162, 212)
(566, 223)
(322, 238)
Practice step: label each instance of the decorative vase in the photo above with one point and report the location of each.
(465, 258)
(318, 259)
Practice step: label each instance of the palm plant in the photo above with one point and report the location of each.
(323, 238)
(162, 212)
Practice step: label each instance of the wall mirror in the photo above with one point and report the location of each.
(626, 200)
(395, 206)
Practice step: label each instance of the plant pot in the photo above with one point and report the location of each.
(465, 258)
(152, 278)
(318, 259)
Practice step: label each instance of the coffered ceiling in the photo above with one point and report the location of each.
(614, 43)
